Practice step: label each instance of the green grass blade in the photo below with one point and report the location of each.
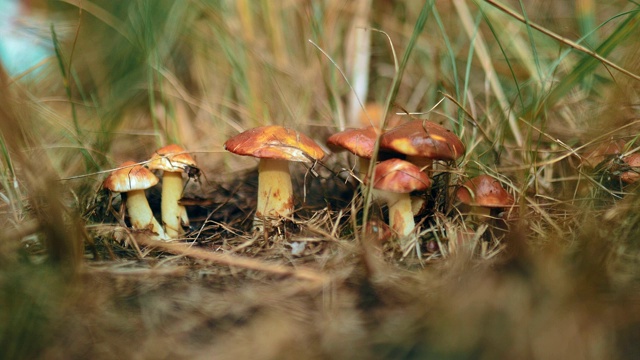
(589, 64)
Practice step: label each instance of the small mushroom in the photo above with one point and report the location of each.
(359, 142)
(423, 141)
(603, 152)
(275, 146)
(395, 179)
(133, 180)
(633, 174)
(484, 193)
(173, 160)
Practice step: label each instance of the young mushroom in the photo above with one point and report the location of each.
(359, 142)
(484, 193)
(275, 146)
(173, 160)
(133, 180)
(395, 179)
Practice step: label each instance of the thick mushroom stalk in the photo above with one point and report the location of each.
(174, 215)
(275, 191)
(275, 146)
(400, 212)
(395, 179)
(173, 160)
(140, 213)
(133, 179)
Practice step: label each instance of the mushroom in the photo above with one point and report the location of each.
(359, 142)
(395, 179)
(173, 160)
(275, 146)
(423, 141)
(603, 152)
(484, 193)
(133, 180)
(633, 174)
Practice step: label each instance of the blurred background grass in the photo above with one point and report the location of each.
(113, 80)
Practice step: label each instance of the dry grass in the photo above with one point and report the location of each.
(559, 278)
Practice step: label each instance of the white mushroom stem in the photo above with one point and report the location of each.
(275, 192)
(417, 203)
(400, 214)
(141, 215)
(174, 215)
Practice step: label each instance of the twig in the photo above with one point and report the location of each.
(231, 260)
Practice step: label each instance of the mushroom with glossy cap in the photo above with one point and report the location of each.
(423, 141)
(133, 180)
(173, 160)
(359, 142)
(396, 179)
(275, 146)
(484, 193)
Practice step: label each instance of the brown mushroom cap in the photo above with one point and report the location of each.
(632, 175)
(484, 191)
(360, 142)
(172, 158)
(602, 152)
(130, 177)
(275, 142)
(399, 176)
(422, 138)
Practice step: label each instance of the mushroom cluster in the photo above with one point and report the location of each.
(404, 168)
(133, 179)
(406, 155)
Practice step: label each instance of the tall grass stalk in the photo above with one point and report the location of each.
(485, 59)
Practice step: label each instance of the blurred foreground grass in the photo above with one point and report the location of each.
(124, 78)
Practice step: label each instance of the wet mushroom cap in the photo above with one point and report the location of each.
(172, 158)
(130, 177)
(422, 138)
(632, 175)
(395, 179)
(400, 176)
(484, 191)
(275, 142)
(360, 142)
